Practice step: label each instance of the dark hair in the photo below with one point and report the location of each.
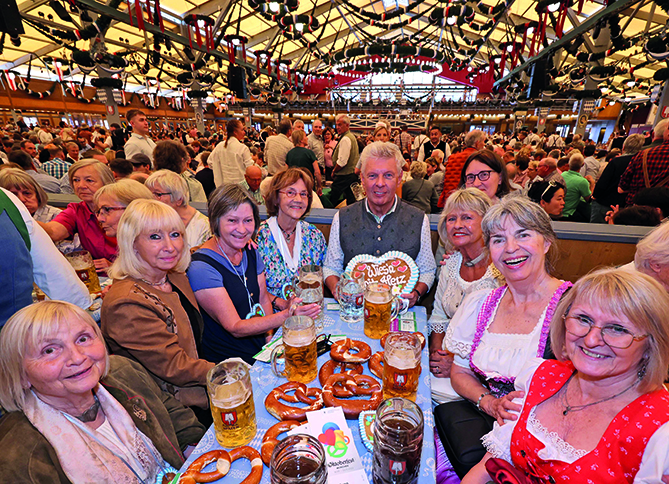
(657, 197)
(522, 160)
(544, 190)
(492, 160)
(563, 161)
(121, 166)
(285, 125)
(589, 150)
(25, 142)
(639, 215)
(43, 156)
(170, 155)
(22, 159)
(225, 198)
(54, 151)
(230, 128)
(140, 159)
(285, 179)
(132, 113)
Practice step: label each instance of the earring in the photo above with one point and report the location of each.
(642, 369)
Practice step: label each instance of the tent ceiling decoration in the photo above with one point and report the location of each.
(310, 46)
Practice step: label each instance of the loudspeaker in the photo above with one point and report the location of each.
(537, 79)
(10, 20)
(237, 81)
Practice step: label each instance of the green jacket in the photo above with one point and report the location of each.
(27, 457)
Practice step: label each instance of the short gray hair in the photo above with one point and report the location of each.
(378, 150)
(171, 182)
(28, 327)
(124, 191)
(653, 249)
(344, 118)
(634, 142)
(576, 161)
(526, 214)
(660, 128)
(418, 169)
(104, 172)
(474, 136)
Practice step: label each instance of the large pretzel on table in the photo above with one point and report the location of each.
(341, 351)
(355, 385)
(223, 461)
(418, 334)
(270, 439)
(330, 367)
(313, 397)
(376, 364)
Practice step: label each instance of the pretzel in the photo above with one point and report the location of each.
(270, 440)
(194, 472)
(341, 351)
(418, 334)
(376, 364)
(331, 366)
(356, 385)
(253, 456)
(313, 397)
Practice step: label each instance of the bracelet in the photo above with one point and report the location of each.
(417, 293)
(478, 404)
(274, 306)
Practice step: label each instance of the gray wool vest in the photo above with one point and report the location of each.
(359, 233)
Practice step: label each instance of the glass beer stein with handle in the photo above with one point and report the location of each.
(299, 350)
(401, 366)
(82, 263)
(381, 307)
(398, 442)
(298, 459)
(309, 287)
(232, 407)
(351, 294)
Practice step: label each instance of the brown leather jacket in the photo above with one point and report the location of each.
(27, 457)
(152, 327)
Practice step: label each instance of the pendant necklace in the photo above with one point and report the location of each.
(155, 284)
(286, 235)
(256, 309)
(575, 408)
(92, 412)
(475, 261)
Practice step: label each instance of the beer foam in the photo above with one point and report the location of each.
(299, 338)
(401, 359)
(376, 298)
(228, 396)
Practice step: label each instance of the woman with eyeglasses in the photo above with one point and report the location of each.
(485, 170)
(599, 413)
(111, 201)
(285, 241)
(550, 195)
(495, 332)
(229, 281)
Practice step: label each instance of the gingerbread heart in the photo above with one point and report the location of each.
(394, 268)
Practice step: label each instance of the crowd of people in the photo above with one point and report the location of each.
(522, 382)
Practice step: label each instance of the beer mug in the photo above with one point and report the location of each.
(232, 407)
(381, 307)
(398, 441)
(401, 366)
(351, 294)
(82, 263)
(298, 459)
(299, 350)
(309, 287)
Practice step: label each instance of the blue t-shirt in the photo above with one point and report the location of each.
(203, 276)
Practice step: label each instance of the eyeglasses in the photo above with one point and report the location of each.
(106, 210)
(481, 175)
(159, 194)
(614, 335)
(290, 193)
(551, 184)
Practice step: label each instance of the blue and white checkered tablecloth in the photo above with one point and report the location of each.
(264, 381)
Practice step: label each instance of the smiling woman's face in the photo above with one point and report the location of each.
(66, 364)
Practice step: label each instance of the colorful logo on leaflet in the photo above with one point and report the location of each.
(229, 418)
(335, 441)
(397, 467)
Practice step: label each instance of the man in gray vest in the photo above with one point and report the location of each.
(381, 222)
(344, 157)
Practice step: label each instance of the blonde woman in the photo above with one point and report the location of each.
(150, 313)
(168, 187)
(111, 201)
(86, 177)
